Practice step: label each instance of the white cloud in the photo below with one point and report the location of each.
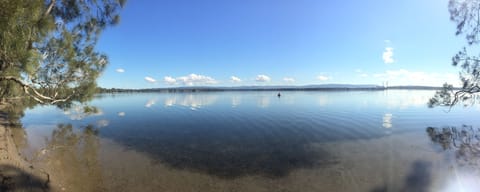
(150, 80)
(388, 55)
(405, 77)
(120, 70)
(190, 80)
(234, 79)
(262, 78)
(288, 79)
(323, 78)
(121, 114)
(193, 79)
(361, 73)
(169, 80)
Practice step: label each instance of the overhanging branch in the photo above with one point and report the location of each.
(460, 94)
(36, 95)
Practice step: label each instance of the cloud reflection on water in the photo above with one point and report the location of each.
(263, 101)
(387, 120)
(323, 100)
(193, 101)
(387, 123)
(236, 100)
(403, 99)
(400, 99)
(151, 102)
(78, 112)
(102, 123)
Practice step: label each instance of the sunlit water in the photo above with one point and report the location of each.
(250, 141)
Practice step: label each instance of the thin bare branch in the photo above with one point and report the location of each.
(460, 94)
(50, 7)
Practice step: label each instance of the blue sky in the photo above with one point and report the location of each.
(169, 43)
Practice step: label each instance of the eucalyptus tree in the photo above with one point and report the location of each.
(47, 48)
(466, 15)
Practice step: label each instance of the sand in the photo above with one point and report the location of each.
(16, 174)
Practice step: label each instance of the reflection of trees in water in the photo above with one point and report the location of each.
(464, 140)
(10, 117)
(73, 154)
(81, 111)
(13, 111)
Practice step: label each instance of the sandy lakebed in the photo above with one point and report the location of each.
(16, 174)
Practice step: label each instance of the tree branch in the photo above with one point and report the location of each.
(36, 95)
(458, 94)
(50, 7)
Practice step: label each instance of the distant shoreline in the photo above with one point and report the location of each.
(271, 88)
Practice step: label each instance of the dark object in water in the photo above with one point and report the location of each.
(279, 95)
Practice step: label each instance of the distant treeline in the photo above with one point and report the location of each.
(266, 88)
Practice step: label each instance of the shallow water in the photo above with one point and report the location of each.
(250, 141)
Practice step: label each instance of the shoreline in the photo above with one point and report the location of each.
(16, 173)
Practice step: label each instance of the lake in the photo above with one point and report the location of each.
(255, 141)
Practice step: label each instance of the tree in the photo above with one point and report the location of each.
(47, 48)
(466, 15)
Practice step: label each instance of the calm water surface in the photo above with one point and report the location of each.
(252, 141)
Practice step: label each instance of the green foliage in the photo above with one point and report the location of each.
(442, 97)
(47, 47)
